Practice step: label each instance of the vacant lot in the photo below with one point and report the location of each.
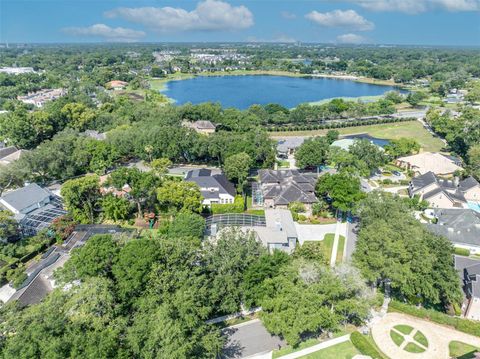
(391, 131)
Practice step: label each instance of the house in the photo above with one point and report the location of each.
(33, 207)
(275, 230)
(460, 226)
(116, 85)
(469, 272)
(435, 162)
(288, 145)
(203, 127)
(215, 188)
(346, 142)
(439, 192)
(279, 188)
(10, 154)
(470, 189)
(106, 188)
(39, 98)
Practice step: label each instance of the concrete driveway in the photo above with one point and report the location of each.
(248, 339)
(314, 232)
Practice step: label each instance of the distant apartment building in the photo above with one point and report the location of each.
(16, 70)
(39, 98)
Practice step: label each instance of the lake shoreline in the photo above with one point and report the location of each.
(161, 84)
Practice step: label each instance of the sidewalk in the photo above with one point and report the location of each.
(341, 229)
(317, 347)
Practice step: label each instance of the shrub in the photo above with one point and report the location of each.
(462, 251)
(364, 346)
(237, 206)
(463, 325)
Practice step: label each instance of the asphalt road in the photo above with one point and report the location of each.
(352, 229)
(247, 339)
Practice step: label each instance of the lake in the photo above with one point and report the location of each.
(243, 91)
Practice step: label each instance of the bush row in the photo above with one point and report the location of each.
(238, 206)
(462, 251)
(364, 346)
(330, 125)
(463, 325)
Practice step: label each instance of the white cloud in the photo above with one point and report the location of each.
(351, 39)
(117, 34)
(288, 15)
(208, 15)
(418, 6)
(341, 18)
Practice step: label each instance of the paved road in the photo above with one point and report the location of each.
(352, 229)
(248, 339)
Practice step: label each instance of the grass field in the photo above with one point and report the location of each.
(390, 131)
(327, 245)
(413, 348)
(344, 350)
(405, 329)
(397, 338)
(461, 350)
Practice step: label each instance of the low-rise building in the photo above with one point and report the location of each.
(470, 189)
(215, 188)
(10, 154)
(33, 207)
(203, 127)
(116, 85)
(435, 162)
(437, 191)
(39, 98)
(287, 146)
(17, 70)
(460, 226)
(279, 188)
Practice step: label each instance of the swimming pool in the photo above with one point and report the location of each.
(474, 205)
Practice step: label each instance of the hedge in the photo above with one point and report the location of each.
(462, 251)
(462, 325)
(238, 206)
(364, 346)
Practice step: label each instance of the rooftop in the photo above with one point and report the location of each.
(431, 162)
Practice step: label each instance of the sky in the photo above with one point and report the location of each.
(399, 22)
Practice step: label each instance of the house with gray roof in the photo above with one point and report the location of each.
(279, 188)
(201, 126)
(287, 146)
(437, 191)
(470, 189)
(33, 207)
(460, 226)
(10, 154)
(215, 188)
(469, 271)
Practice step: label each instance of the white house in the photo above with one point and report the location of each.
(215, 189)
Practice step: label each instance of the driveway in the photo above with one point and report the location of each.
(248, 339)
(314, 232)
(438, 337)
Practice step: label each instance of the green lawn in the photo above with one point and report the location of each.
(327, 245)
(289, 349)
(419, 337)
(397, 338)
(413, 348)
(344, 350)
(410, 129)
(405, 329)
(461, 350)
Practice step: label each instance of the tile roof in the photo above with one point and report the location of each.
(286, 186)
(431, 161)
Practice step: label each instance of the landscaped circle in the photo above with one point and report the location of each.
(409, 338)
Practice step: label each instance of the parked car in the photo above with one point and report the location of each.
(397, 173)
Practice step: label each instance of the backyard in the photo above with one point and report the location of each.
(391, 131)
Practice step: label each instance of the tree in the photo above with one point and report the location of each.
(115, 208)
(187, 225)
(474, 159)
(311, 251)
(226, 261)
(8, 226)
(313, 152)
(406, 254)
(343, 190)
(373, 155)
(307, 298)
(160, 165)
(236, 168)
(78, 116)
(81, 197)
(332, 136)
(402, 147)
(95, 258)
(180, 196)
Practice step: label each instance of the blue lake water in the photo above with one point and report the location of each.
(244, 91)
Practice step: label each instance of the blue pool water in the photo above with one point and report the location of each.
(244, 91)
(474, 205)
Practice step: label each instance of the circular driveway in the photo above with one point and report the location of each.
(438, 337)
